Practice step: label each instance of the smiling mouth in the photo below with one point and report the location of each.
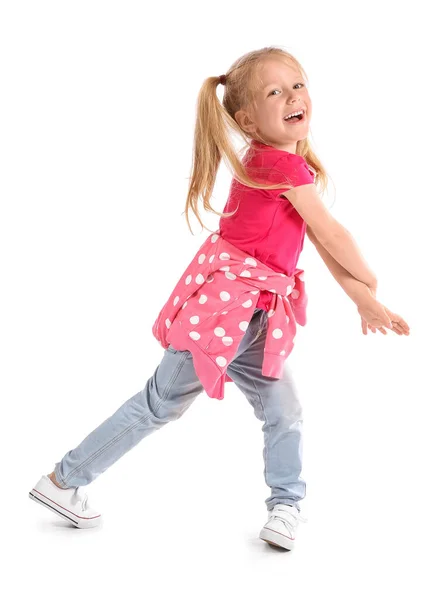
(298, 119)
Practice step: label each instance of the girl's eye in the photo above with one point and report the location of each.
(276, 90)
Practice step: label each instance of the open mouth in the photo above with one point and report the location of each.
(297, 119)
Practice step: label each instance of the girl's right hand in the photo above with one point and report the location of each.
(375, 314)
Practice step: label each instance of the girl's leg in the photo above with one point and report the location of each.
(276, 403)
(165, 397)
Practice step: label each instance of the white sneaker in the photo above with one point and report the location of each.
(66, 503)
(281, 526)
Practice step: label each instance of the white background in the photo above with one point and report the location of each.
(97, 114)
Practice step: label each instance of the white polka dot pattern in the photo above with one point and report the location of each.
(209, 332)
(250, 261)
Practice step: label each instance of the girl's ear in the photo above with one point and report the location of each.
(245, 122)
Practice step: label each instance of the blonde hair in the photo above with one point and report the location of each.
(215, 120)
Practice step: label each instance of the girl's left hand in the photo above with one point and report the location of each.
(399, 325)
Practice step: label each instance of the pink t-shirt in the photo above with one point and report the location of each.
(266, 225)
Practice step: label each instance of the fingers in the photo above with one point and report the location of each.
(402, 325)
(399, 324)
(374, 329)
(400, 329)
(396, 328)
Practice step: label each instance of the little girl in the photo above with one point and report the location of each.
(232, 315)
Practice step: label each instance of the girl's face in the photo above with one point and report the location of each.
(282, 92)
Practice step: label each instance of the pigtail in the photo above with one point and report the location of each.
(214, 122)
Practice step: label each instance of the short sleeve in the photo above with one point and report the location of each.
(292, 168)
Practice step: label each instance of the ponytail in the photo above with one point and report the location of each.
(215, 120)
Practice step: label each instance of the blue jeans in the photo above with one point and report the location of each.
(172, 389)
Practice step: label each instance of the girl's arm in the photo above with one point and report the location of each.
(355, 289)
(374, 314)
(331, 234)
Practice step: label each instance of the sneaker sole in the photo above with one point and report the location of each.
(276, 539)
(63, 512)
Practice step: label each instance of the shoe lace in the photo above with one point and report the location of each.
(81, 498)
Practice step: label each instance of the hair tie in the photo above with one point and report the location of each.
(222, 79)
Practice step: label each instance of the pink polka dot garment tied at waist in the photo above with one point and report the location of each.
(211, 306)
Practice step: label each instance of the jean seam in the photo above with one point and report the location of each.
(172, 380)
(59, 478)
(111, 442)
(263, 412)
